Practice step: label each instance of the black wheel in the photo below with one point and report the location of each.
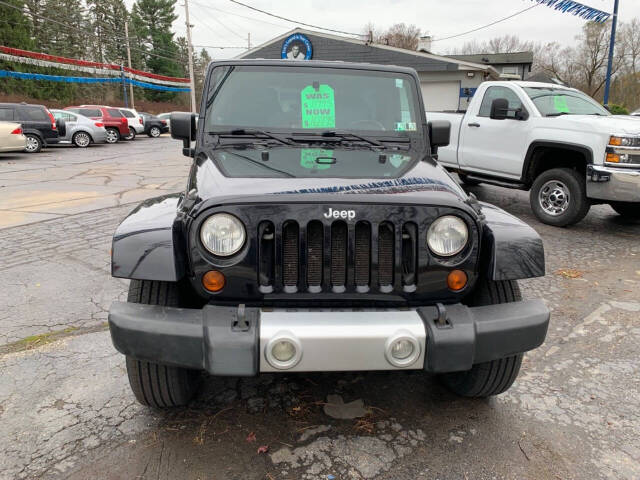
(630, 210)
(113, 135)
(153, 384)
(81, 139)
(154, 132)
(132, 134)
(465, 179)
(34, 143)
(558, 197)
(495, 377)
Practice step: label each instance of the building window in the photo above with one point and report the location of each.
(510, 70)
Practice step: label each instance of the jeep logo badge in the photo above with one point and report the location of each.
(348, 214)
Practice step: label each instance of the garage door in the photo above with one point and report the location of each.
(440, 96)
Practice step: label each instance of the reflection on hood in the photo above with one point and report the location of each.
(399, 185)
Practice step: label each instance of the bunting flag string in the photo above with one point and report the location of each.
(577, 9)
(65, 79)
(86, 63)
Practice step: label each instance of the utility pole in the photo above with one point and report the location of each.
(190, 53)
(612, 44)
(249, 41)
(124, 87)
(126, 34)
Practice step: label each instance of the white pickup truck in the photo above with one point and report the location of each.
(557, 142)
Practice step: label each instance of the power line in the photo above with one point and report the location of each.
(484, 26)
(295, 21)
(221, 48)
(233, 32)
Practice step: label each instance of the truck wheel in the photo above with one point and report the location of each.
(630, 210)
(559, 197)
(153, 384)
(494, 377)
(467, 181)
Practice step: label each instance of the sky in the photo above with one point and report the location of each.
(223, 23)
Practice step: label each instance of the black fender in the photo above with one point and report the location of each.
(34, 131)
(529, 167)
(511, 249)
(149, 243)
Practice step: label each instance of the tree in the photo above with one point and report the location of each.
(15, 29)
(399, 35)
(504, 44)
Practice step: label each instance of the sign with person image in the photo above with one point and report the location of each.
(296, 47)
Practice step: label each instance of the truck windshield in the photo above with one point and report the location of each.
(312, 100)
(553, 102)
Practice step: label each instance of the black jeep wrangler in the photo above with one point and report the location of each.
(317, 232)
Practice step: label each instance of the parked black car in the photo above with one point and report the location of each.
(317, 232)
(38, 124)
(154, 126)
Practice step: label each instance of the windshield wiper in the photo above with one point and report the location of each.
(556, 114)
(345, 135)
(254, 133)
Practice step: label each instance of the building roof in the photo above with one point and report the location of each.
(375, 52)
(497, 58)
(543, 78)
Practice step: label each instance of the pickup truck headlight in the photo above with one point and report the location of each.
(447, 236)
(222, 234)
(616, 141)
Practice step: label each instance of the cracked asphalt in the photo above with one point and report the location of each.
(66, 411)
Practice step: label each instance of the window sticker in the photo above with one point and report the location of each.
(405, 127)
(397, 160)
(398, 83)
(318, 106)
(309, 158)
(560, 103)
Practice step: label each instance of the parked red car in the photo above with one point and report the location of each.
(115, 123)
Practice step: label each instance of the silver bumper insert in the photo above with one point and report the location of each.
(341, 340)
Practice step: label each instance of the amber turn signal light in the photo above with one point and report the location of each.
(213, 281)
(613, 158)
(456, 280)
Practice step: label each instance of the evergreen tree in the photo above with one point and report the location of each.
(15, 28)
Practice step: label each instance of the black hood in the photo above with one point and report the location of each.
(414, 181)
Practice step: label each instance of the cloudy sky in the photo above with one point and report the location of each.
(223, 23)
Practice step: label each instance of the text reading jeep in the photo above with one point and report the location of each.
(318, 233)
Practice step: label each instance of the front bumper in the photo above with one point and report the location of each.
(613, 184)
(236, 341)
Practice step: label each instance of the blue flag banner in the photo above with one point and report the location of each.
(577, 9)
(65, 79)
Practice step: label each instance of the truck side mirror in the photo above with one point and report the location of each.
(183, 127)
(499, 109)
(439, 134)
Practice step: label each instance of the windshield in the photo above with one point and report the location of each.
(311, 100)
(561, 101)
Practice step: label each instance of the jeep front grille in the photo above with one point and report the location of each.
(337, 257)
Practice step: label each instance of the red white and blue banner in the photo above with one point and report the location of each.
(576, 8)
(132, 76)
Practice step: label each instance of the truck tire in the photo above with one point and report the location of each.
(630, 210)
(558, 197)
(494, 377)
(153, 384)
(467, 181)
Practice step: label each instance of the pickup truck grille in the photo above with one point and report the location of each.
(336, 256)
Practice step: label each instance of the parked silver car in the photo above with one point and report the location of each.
(80, 130)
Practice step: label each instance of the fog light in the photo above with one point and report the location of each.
(457, 280)
(401, 349)
(213, 281)
(283, 350)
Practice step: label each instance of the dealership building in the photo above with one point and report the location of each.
(447, 83)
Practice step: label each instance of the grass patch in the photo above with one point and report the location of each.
(35, 341)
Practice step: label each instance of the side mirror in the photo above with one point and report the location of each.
(439, 134)
(183, 127)
(499, 109)
(61, 126)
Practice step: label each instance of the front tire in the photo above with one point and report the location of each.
(153, 384)
(154, 132)
(81, 139)
(113, 135)
(132, 134)
(34, 143)
(630, 210)
(558, 197)
(494, 377)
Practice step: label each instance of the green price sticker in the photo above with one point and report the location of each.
(560, 104)
(318, 107)
(309, 158)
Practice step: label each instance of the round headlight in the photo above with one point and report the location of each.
(447, 236)
(222, 234)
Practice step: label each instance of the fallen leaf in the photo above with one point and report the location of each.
(251, 437)
(569, 273)
(263, 449)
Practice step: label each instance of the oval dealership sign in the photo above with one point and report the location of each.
(296, 47)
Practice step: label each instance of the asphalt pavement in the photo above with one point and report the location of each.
(66, 411)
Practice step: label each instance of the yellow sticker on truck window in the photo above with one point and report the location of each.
(318, 106)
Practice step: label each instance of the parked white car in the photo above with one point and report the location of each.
(557, 142)
(135, 121)
(12, 138)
